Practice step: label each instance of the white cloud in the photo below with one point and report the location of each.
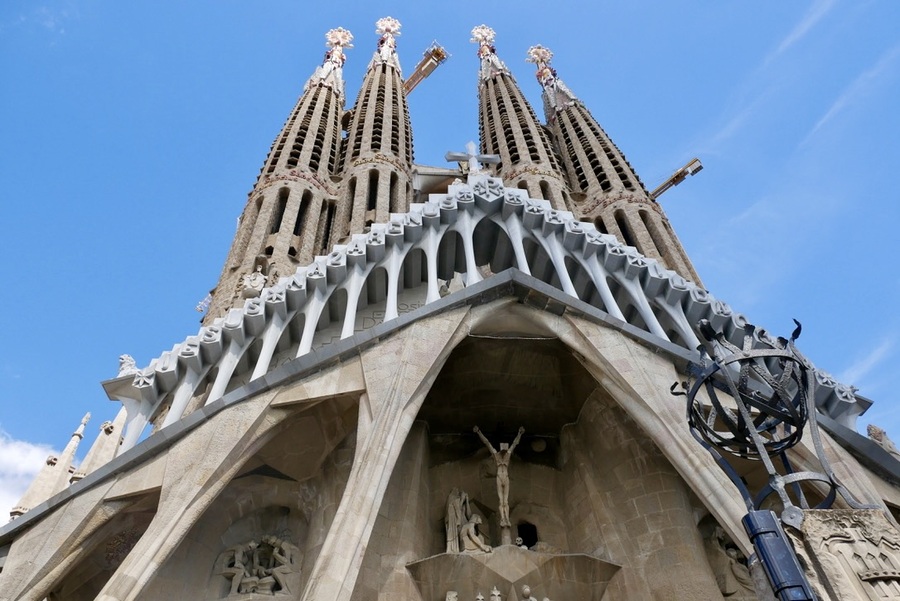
(20, 461)
(862, 367)
(816, 12)
(861, 86)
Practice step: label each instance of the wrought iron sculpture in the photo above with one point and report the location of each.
(770, 387)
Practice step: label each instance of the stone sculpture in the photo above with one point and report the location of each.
(261, 567)
(501, 458)
(253, 283)
(388, 28)
(452, 596)
(521, 543)
(469, 539)
(732, 576)
(458, 514)
(526, 593)
(880, 437)
(495, 595)
(491, 65)
(127, 366)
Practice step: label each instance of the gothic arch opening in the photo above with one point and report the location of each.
(583, 284)
(583, 478)
(493, 246)
(540, 264)
(415, 269)
(105, 550)
(272, 516)
(451, 256)
(375, 289)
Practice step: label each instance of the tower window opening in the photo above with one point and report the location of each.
(279, 210)
(545, 190)
(269, 251)
(654, 233)
(601, 227)
(329, 220)
(302, 212)
(394, 192)
(627, 236)
(528, 533)
(372, 200)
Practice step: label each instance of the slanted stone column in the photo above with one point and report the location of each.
(399, 374)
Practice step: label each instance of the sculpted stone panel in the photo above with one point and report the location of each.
(267, 567)
(856, 553)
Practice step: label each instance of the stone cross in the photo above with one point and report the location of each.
(472, 158)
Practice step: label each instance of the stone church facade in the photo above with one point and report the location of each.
(434, 383)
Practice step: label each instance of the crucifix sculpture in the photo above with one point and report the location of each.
(472, 158)
(502, 458)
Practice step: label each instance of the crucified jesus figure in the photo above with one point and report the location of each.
(501, 458)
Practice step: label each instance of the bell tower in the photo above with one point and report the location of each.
(606, 189)
(509, 128)
(377, 156)
(288, 217)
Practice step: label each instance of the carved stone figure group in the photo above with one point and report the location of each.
(261, 567)
(461, 525)
(495, 595)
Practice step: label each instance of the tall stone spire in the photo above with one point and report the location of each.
(378, 153)
(509, 127)
(104, 448)
(605, 188)
(287, 219)
(54, 476)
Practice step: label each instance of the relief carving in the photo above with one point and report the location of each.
(263, 567)
(729, 567)
(857, 552)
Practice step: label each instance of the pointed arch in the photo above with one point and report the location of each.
(493, 246)
(451, 255)
(540, 263)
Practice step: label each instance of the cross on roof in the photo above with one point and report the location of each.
(474, 160)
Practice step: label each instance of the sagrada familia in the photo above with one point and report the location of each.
(499, 379)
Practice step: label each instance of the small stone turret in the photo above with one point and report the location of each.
(104, 448)
(605, 188)
(54, 476)
(288, 218)
(509, 128)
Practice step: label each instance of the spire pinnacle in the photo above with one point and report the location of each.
(388, 28)
(84, 420)
(491, 65)
(557, 95)
(331, 71)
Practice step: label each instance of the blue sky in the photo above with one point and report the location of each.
(131, 135)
